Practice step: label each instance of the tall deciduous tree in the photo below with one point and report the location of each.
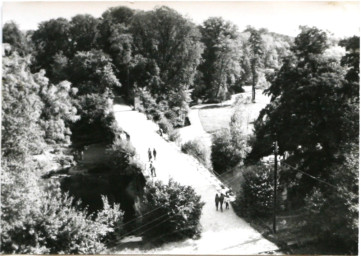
(169, 43)
(256, 51)
(221, 68)
(307, 110)
(92, 72)
(17, 39)
(50, 38)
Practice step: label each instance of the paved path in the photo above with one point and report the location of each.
(222, 232)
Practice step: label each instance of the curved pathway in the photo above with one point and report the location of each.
(222, 232)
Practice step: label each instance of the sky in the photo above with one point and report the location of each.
(340, 18)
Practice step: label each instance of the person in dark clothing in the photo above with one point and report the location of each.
(221, 199)
(154, 153)
(149, 154)
(152, 169)
(217, 201)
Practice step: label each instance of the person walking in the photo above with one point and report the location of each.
(154, 153)
(149, 154)
(221, 199)
(152, 169)
(227, 201)
(217, 201)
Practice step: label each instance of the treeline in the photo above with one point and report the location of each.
(159, 52)
(314, 118)
(58, 85)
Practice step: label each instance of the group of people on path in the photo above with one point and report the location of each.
(223, 196)
(152, 155)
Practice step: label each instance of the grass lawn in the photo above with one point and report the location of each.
(217, 116)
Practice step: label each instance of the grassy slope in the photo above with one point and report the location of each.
(217, 116)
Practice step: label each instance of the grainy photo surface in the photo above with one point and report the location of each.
(180, 127)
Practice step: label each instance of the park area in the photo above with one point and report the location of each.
(215, 117)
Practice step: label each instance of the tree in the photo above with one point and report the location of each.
(116, 40)
(50, 38)
(171, 44)
(221, 66)
(256, 51)
(83, 32)
(21, 109)
(333, 211)
(17, 39)
(307, 111)
(352, 60)
(92, 72)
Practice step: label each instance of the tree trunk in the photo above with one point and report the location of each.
(254, 81)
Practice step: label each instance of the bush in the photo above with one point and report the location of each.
(178, 212)
(166, 126)
(224, 155)
(174, 136)
(332, 212)
(256, 195)
(198, 150)
(51, 222)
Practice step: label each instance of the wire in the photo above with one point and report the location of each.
(142, 226)
(309, 175)
(142, 215)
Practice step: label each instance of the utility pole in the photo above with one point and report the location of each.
(275, 188)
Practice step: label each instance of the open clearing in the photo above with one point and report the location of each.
(217, 116)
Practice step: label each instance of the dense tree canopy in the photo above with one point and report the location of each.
(307, 115)
(17, 39)
(169, 43)
(221, 59)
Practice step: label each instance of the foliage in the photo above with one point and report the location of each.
(166, 52)
(37, 218)
(50, 38)
(256, 196)
(178, 211)
(197, 149)
(97, 123)
(352, 60)
(59, 110)
(224, 155)
(308, 115)
(221, 66)
(13, 36)
(332, 212)
(230, 146)
(83, 33)
(92, 72)
(121, 158)
(256, 52)
(21, 109)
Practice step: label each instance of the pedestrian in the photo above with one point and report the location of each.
(160, 132)
(149, 154)
(154, 153)
(217, 201)
(221, 199)
(227, 201)
(152, 169)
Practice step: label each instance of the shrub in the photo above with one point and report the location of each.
(224, 155)
(51, 222)
(174, 136)
(166, 126)
(198, 150)
(178, 212)
(332, 212)
(256, 195)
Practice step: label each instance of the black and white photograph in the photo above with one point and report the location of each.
(180, 127)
